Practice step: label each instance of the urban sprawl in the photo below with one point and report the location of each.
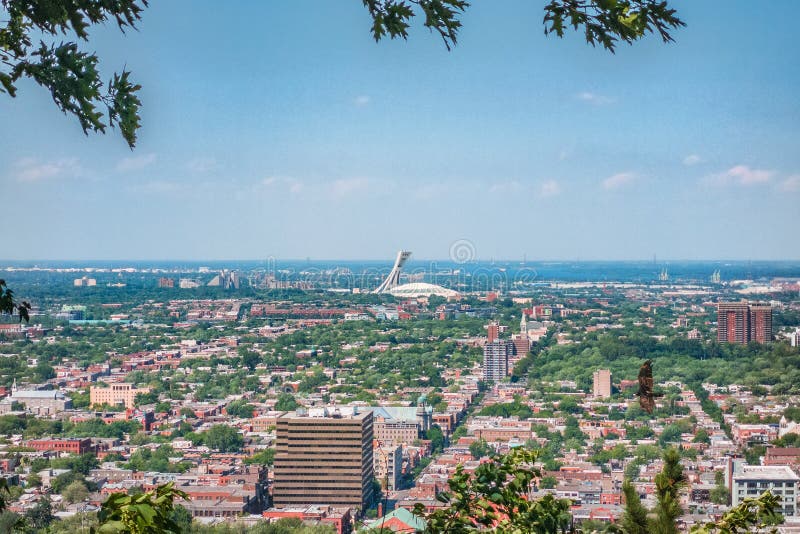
(266, 396)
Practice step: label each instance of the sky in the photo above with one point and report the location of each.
(281, 129)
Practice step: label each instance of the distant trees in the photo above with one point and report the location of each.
(286, 403)
(240, 408)
(145, 459)
(436, 437)
(265, 457)
(720, 494)
(222, 438)
(508, 409)
(480, 448)
(701, 436)
(75, 492)
(41, 515)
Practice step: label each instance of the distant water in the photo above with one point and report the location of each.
(441, 271)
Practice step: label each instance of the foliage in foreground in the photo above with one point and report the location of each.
(495, 496)
(146, 513)
(752, 515)
(70, 75)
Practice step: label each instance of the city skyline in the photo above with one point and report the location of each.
(294, 135)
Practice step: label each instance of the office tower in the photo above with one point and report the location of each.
(602, 384)
(740, 322)
(495, 359)
(323, 457)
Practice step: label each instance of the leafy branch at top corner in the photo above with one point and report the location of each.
(7, 304)
(71, 76)
(606, 22)
(393, 17)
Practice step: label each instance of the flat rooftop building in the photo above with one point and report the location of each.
(780, 480)
(323, 457)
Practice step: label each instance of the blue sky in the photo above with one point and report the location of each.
(282, 129)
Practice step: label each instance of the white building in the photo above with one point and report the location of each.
(750, 481)
(39, 402)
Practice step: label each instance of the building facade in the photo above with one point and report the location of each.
(601, 387)
(495, 359)
(741, 322)
(64, 445)
(388, 465)
(115, 394)
(325, 458)
(753, 480)
(39, 402)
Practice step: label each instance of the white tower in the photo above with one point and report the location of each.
(393, 280)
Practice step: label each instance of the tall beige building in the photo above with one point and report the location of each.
(323, 457)
(115, 394)
(602, 384)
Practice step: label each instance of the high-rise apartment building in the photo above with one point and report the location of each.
(761, 323)
(741, 322)
(323, 458)
(492, 332)
(602, 384)
(495, 359)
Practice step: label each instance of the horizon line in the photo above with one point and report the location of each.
(389, 261)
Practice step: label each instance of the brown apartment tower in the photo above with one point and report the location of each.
(741, 322)
(323, 457)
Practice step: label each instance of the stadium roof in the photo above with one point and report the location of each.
(421, 289)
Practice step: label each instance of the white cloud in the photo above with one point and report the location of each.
(791, 184)
(361, 100)
(549, 188)
(747, 176)
(741, 175)
(292, 185)
(135, 163)
(618, 180)
(594, 98)
(344, 187)
(158, 187)
(32, 170)
(201, 165)
(505, 187)
(433, 191)
(692, 159)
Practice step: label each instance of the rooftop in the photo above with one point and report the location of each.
(765, 472)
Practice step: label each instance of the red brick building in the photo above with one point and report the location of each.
(67, 445)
